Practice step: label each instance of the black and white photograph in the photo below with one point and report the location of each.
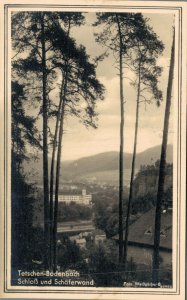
(94, 149)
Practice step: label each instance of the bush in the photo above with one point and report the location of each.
(103, 264)
(70, 256)
(73, 212)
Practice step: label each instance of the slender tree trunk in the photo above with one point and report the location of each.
(55, 142)
(60, 136)
(155, 266)
(120, 230)
(51, 191)
(132, 172)
(45, 144)
(58, 140)
(57, 186)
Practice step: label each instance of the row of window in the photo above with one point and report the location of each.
(70, 198)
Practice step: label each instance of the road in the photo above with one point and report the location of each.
(75, 226)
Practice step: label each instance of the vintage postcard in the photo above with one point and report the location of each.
(93, 152)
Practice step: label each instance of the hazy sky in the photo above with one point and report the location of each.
(79, 141)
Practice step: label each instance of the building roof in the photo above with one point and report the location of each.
(81, 241)
(142, 230)
(70, 193)
(98, 232)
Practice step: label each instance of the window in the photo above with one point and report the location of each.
(163, 233)
(148, 231)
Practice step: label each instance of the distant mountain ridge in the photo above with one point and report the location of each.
(102, 167)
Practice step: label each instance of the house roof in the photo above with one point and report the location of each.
(98, 232)
(142, 230)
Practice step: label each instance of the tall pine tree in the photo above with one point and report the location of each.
(161, 180)
(143, 62)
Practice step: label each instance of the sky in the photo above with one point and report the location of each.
(80, 142)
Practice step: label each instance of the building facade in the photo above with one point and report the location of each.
(79, 197)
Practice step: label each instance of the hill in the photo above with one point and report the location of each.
(103, 167)
(99, 168)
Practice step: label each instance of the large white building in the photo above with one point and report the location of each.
(79, 197)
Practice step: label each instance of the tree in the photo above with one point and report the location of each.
(121, 142)
(37, 35)
(160, 192)
(73, 212)
(45, 135)
(70, 255)
(79, 85)
(61, 43)
(50, 52)
(23, 133)
(119, 35)
(143, 61)
(23, 126)
(103, 263)
(29, 31)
